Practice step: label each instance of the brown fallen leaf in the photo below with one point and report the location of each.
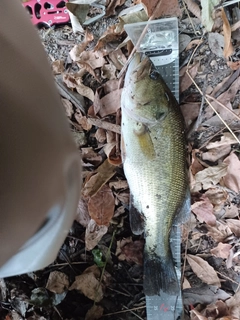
(101, 206)
(79, 48)
(82, 215)
(131, 251)
(228, 48)
(94, 234)
(110, 103)
(100, 135)
(222, 250)
(89, 284)
(118, 58)
(94, 313)
(166, 8)
(57, 282)
(234, 306)
(108, 71)
(82, 120)
(215, 154)
(234, 225)
(94, 59)
(217, 196)
(194, 8)
(111, 34)
(203, 209)
(217, 310)
(84, 65)
(101, 176)
(196, 166)
(220, 232)
(185, 80)
(58, 66)
(190, 112)
(209, 177)
(203, 270)
(232, 178)
(112, 5)
(196, 315)
(234, 65)
(203, 294)
(90, 156)
(68, 107)
(74, 81)
(231, 211)
(226, 139)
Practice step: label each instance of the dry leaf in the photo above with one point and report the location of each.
(108, 71)
(84, 90)
(111, 34)
(204, 294)
(101, 206)
(226, 139)
(94, 234)
(222, 250)
(110, 103)
(118, 58)
(216, 153)
(209, 177)
(88, 284)
(203, 270)
(216, 43)
(203, 209)
(100, 135)
(88, 68)
(104, 173)
(217, 197)
(94, 313)
(76, 51)
(58, 66)
(196, 315)
(57, 282)
(185, 80)
(82, 120)
(131, 251)
(194, 8)
(228, 48)
(234, 225)
(82, 215)
(231, 211)
(234, 65)
(234, 306)
(68, 107)
(196, 166)
(119, 184)
(112, 5)
(190, 112)
(89, 155)
(94, 58)
(232, 178)
(220, 232)
(217, 310)
(166, 8)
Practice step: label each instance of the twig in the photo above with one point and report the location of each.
(123, 311)
(222, 275)
(133, 313)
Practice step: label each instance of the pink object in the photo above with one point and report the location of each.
(47, 12)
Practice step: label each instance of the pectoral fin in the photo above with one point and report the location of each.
(144, 139)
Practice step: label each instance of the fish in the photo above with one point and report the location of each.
(153, 150)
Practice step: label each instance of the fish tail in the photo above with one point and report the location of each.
(159, 275)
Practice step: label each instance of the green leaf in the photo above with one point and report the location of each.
(98, 258)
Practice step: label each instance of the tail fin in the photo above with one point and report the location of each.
(159, 275)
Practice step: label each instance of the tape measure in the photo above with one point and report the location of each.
(160, 44)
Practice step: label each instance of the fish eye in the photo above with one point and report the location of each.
(154, 75)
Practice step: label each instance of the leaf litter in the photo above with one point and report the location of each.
(89, 62)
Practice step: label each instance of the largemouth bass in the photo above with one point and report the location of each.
(154, 157)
